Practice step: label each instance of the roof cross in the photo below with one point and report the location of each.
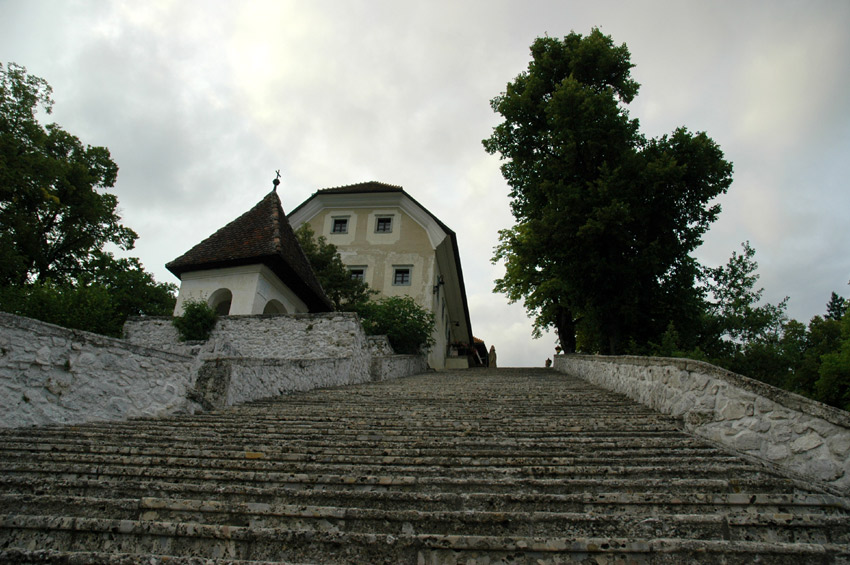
(276, 180)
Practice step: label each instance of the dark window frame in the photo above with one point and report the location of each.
(402, 275)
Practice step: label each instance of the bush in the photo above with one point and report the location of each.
(89, 308)
(197, 321)
(408, 326)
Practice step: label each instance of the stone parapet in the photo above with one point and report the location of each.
(387, 367)
(53, 375)
(801, 436)
(230, 381)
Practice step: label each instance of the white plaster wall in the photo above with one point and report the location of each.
(807, 438)
(340, 238)
(53, 375)
(252, 286)
(285, 336)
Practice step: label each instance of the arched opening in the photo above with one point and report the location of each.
(220, 301)
(274, 307)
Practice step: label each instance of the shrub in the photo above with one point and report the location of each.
(408, 326)
(197, 321)
(89, 308)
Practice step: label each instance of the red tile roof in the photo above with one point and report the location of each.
(260, 235)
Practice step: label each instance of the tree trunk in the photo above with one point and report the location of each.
(566, 327)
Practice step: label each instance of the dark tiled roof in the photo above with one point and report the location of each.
(260, 235)
(371, 186)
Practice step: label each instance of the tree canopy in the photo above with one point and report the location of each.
(346, 293)
(57, 220)
(606, 219)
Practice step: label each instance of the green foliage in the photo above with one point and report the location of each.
(101, 306)
(408, 326)
(53, 212)
(836, 307)
(88, 308)
(56, 218)
(735, 302)
(606, 219)
(196, 322)
(833, 386)
(346, 293)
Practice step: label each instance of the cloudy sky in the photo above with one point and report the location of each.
(200, 101)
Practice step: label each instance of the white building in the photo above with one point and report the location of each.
(253, 265)
(398, 247)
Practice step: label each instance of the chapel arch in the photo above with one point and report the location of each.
(274, 307)
(220, 301)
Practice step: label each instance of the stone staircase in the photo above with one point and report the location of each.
(483, 467)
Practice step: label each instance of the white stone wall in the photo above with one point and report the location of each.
(251, 286)
(52, 375)
(379, 345)
(274, 377)
(396, 366)
(281, 336)
(807, 438)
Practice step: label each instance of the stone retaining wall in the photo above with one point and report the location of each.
(387, 367)
(53, 375)
(807, 438)
(234, 380)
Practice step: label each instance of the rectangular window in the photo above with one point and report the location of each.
(357, 273)
(401, 276)
(384, 224)
(340, 225)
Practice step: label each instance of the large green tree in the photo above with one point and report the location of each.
(54, 209)
(57, 219)
(606, 219)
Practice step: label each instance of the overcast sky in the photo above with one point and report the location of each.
(200, 101)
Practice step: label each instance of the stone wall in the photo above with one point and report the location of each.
(392, 366)
(807, 438)
(235, 380)
(52, 375)
(282, 336)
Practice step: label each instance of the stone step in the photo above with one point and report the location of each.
(270, 544)
(381, 483)
(253, 471)
(489, 467)
(779, 526)
(369, 442)
(269, 461)
(53, 557)
(57, 496)
(272, 451)
(516, 427)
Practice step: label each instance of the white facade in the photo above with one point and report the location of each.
(249, 289)
(400, 249)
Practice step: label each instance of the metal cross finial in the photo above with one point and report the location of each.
(276, 180)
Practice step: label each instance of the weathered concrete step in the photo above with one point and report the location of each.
(60, 497)
(256, 471)
(469, 443)
(786, 527)
(144, 430)
(269, 461)
(584, 450)
(233, 542)
(53, 557)
(92, 484)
